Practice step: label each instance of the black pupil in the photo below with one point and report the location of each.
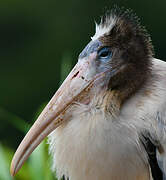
(104, 54)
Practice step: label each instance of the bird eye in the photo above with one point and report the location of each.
(104, 53)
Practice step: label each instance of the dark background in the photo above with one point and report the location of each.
(41, 40)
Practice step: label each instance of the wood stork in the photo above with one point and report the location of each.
(108, 119)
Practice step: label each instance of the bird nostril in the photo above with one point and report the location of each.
(75, 75)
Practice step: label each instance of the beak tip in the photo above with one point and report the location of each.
(12, 170)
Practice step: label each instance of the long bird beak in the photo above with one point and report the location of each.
(78, 82)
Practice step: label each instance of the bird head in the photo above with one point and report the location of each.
(112, 67)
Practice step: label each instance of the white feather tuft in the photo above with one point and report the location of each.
(104, 28)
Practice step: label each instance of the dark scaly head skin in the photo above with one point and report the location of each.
(132, 53)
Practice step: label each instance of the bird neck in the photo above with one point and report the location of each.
(116, 96)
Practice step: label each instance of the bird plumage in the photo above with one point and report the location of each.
(116, 151)
(114, 109)
(81, 149)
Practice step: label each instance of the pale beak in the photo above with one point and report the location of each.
(74, 88)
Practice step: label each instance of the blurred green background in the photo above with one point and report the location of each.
(39, 44)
